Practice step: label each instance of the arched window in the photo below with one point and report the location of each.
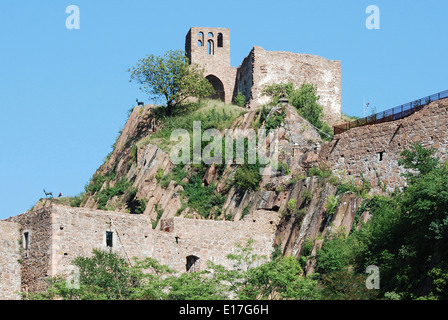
(201, 39)
(219, 40)
(210, 34)
(210, 47)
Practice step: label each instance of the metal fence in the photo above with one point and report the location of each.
(393, 114)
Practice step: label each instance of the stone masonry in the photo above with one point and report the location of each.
(374, 150)
(9, 260)
(261, 68)
(210, 48)
(54, 235)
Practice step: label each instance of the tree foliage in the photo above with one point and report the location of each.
(171, 78)
(407, 235)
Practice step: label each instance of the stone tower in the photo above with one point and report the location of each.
(210, 48)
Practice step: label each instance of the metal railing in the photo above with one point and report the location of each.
(393, 114)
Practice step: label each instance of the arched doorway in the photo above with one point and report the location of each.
(218, 86)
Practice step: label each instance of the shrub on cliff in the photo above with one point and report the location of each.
(304, 100)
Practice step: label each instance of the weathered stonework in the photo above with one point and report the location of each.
(374, 150)
(36, 248)
(9, 261)
(262, 68)
(205, 49)
(58, 234)
(212, 240)
(77, 231)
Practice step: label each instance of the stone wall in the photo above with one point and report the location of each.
(9, 261)
(36, 247)
(263, 67)
(374, 150)
(211, 240)
(77, 231)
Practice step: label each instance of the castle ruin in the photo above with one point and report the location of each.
(210, 48)
(42, 243)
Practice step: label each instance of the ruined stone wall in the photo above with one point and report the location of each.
(36, 248)
(212, 240)
(9, 261)
(374, 150)
(263, 67)
(77, 231)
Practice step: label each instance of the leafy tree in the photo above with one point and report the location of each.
(346, 285)
(281, 278)
(170, 77)
(418, 159)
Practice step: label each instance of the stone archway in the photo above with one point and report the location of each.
(218, 86)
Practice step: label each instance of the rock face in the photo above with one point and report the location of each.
(288, 211)
(296, 204)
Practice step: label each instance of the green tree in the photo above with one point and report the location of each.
(281, 278)
(170, 77)
(419, 161)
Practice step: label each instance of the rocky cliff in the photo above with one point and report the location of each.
(307, 206)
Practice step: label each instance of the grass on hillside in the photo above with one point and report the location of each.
(211, 113)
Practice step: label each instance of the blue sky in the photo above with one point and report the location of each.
(65, 94)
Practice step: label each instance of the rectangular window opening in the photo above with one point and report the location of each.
(109, 239)
(26, 240)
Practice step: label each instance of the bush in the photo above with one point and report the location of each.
(107, 193)
(240, 100)
(292, 203)
(248, 177)
(203, 199)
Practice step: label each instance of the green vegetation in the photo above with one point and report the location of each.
(171, 77)
(274, 121)
(105, 194)
(406, 236)
(212, 115)
(304, 100)
(240, 100)
(177, 175)
(107, 276)
(248, 177)
(159, 215)
(203, 199)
